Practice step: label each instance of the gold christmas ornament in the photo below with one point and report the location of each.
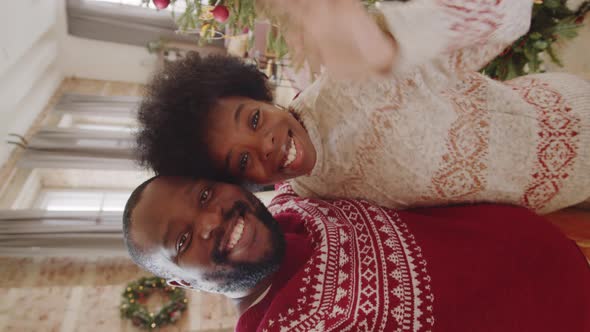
(206, 14)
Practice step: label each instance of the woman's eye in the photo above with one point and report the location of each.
(182, 242)
(254, 120)
(244, 162)
(205, 195)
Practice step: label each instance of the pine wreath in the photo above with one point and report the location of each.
(135, 294)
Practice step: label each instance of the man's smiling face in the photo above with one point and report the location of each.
(217, 235)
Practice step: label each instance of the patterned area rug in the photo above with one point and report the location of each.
(75, 294)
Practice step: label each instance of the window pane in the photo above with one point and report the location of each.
(79, 200)
(115, 201)
(71, 201)
(104, 127)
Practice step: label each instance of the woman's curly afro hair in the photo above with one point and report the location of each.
(173, 115)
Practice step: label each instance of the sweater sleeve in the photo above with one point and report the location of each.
(466, 34)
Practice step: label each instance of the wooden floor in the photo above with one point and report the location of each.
(575, 224)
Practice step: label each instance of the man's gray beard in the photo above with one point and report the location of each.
(243, 276)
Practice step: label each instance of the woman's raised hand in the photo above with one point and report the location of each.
(337, 34)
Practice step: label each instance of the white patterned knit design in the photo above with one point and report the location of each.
(367, 272)
(437, 132)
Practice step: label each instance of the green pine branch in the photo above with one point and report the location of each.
(551, 22)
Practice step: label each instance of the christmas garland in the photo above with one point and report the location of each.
(222, 19)
(138, 291)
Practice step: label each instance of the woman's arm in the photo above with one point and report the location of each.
(337, 34)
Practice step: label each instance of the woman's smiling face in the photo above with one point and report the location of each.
(257, 142)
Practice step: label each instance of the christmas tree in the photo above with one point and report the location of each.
(552, 21)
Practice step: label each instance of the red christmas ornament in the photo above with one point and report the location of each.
(161, 4)
(579, 19)
(220, 13)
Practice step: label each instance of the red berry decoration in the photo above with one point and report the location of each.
(161, 4)
(220, 13)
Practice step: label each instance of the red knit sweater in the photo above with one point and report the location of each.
(352, 266)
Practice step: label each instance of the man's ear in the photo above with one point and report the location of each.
(174, 282)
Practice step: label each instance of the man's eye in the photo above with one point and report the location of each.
(254, 120)
(205, 195)
(182, 242)
(244, 161)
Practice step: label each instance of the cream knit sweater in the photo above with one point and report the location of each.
(438, 132)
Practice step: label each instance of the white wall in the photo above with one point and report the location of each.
(29, 73)
(36, 53)
(23, 23)
(105, 61)
(101, 60)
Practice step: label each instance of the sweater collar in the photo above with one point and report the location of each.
(298, 249)
(303, 106)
